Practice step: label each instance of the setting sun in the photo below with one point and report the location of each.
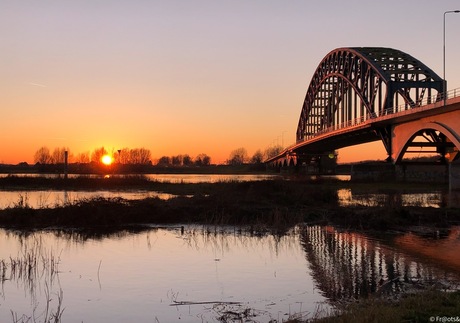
(107, 159)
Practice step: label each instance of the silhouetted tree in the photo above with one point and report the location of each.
(58, 156)
(238, 156)
(273, 151)
(140, 156)
(164, 161)
(258, 157)
(42, 156)
(97, 154)
(123, 156)
(83, 158)
(176, 160)
(202, 160)
(187, 160)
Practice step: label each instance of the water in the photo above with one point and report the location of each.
(146, 277)
(201, 274)
(173, 178)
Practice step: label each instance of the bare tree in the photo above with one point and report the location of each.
(187, 160)
(258, 157)
(140, 156)
(273, 151)
(202, 160)
(176, 160)
(58, 156)
(164, 161)
(124, 156)
(238, 156)
(97, 154)
(83, 158)
(42, 156)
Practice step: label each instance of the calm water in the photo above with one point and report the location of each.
(201, 274)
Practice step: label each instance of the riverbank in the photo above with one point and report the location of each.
(429, 305)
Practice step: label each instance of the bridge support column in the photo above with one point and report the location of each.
(454, 176)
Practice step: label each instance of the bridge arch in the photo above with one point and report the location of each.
(364, 82)
(442, 132)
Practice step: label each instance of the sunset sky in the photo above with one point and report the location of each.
(189, 77)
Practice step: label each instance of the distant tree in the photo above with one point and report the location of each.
(83, 158)
(140, 156)
(238, 156)
(258, 157)
(123, 156)
(187, 160)
(164, 161)
(42, 156)
(202, 160)
(97, 154)
(176, 160)
(58, 156)
(273, 151)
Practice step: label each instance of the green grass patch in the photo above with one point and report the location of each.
(426, 306)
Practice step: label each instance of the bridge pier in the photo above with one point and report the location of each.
(454, 176)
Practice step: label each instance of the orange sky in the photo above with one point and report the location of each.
(192, 77)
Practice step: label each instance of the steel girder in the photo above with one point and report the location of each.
(353, 84)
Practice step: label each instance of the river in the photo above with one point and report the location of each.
(206, 274)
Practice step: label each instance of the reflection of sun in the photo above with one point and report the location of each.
(107, 159)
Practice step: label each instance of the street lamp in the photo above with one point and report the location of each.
(444, 53)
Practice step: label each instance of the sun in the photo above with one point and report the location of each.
(107, 160)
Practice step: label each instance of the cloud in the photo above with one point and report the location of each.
(37, 84)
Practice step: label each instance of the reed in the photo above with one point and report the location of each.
(32, 265)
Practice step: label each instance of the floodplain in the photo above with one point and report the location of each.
(284, 249)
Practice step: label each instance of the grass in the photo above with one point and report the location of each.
(33, 265)
(425, 306)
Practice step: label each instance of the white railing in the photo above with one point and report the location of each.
(433, 102)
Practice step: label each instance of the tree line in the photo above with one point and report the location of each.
(240, 155)
(143, 156)
(128, 156)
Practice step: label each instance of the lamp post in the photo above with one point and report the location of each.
(444, 53)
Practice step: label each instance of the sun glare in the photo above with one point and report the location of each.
(107, 159)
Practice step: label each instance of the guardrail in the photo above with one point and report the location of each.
(402, 109)
(432, 102)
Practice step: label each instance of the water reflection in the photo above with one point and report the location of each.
(167, 178)
(395, 199)
(195, 274)
(350, 265)
(165, 274)
(55, 198)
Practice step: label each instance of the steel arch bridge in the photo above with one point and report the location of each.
(357, 85)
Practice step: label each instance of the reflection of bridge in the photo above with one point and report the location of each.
(360, 95)
(347, 265)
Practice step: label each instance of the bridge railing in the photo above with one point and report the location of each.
(428, 103)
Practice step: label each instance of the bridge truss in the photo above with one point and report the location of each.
(365, 82)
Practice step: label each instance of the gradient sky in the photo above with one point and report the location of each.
(189, 77)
